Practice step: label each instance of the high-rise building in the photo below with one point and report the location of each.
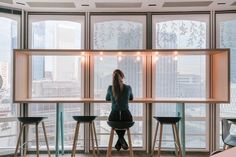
(4, 72)
(38, 62)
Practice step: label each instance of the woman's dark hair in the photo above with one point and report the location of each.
(117, 84)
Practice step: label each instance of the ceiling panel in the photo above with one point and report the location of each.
(52, 4)
(234, 3)
(117, 5)
(187, 4)
(7, 1)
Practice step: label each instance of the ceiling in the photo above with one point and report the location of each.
(119, 5)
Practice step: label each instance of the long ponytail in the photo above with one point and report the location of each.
(117, 84)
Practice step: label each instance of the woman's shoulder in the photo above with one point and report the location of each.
(127, 86)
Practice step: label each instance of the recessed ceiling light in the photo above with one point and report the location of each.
(221, 3)
(20, 3)
(85, 5)
(152, 5)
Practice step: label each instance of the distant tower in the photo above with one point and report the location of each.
(38, 38)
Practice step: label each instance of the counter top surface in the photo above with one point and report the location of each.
(143, 100)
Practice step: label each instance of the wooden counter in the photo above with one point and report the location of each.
(145, 100)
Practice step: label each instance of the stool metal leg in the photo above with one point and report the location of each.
(75, 139)
(178, 142)
(155, 138)
(18, 141)
(159, 148)
(130, 144)
(46, 140)
(37, 140)
(92, 139)
(95, 135)
(110, 142)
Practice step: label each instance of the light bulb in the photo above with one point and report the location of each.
(176, 53)
(175, 58)
(119, 58)
(82, 58)
(83, 53)
(156, 58)
(138, 53)
(138, 58)
(119, 53)
(156, 53)
(101, 53)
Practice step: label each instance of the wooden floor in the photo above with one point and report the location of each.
(123, 154)
(116, 154)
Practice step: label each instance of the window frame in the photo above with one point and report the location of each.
(228, 15)
(141, 18)
(195, 16)
(69, 17)
(15, 16)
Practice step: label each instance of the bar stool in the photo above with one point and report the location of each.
(119, 126)
(25, 122)
(85, 119)
(170, 121)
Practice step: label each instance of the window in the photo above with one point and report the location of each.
(182, 76)
(56, 76)
(225, 38)
(118, 32)
(9, 32)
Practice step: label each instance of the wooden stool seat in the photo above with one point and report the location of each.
(169, 121)
(117, 125)
(25, 122)
(120, 125)
(85, 119)
(30, 120)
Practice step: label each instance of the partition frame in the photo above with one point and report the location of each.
(59, 16)
(133, 53)
(216, 44)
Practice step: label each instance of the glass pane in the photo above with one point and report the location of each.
(8, 135)
(60, 77)
(8, 41)
(49, 110)
(56, 76)
(118, 33)
(182, 76)
(225, 27)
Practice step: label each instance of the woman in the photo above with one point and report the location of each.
(119, 93)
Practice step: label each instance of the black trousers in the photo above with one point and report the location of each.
(124, 116)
